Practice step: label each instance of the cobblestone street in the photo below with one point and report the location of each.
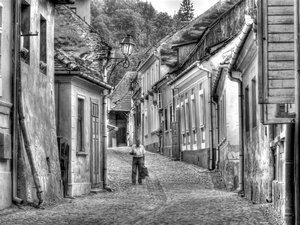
(175, 193)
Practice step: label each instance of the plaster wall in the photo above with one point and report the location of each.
(80, 173)
(229, 145)
(257, 153)
(6, 101)
(83, 9)
(39, 108)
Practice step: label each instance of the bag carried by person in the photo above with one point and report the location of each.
(144, 172)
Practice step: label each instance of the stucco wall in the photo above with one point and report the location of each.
(80, 163)
(197, 157)
(39, 107)
(83, 9)
(5, 101)
(256, 151)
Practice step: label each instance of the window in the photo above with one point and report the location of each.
(193, 110)
(222, 117)
(171, 115)
(159, 100)
(1, 30)
(247, 108)
(166, 119)
(25, 29)
(182, 118)
(201, 107)
(187, 113)
(43, 45)
(254, 116)
(80, 125)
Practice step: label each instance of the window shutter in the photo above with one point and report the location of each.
(276, 51)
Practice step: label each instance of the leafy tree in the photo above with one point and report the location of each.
(186, 11)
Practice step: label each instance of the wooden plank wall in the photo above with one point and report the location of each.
(277, 52)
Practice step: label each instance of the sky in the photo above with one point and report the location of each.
(170, 6)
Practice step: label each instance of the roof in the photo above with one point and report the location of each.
(195, 29)
(121, 96)
(65, 67)
(78, 47)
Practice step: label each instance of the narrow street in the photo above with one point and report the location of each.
(175, 193)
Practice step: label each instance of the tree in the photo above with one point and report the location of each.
(186, 11)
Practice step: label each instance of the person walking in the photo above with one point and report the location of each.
(138, 153)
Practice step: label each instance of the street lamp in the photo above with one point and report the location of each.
(127, 44)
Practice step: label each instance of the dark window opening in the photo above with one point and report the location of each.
(25, 30)
(254, 116)
(43, 45)
(80, 125)
(247, 109)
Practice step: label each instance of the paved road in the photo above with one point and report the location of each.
(175, 193)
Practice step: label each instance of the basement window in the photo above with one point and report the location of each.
(25, 30)
(43, 45)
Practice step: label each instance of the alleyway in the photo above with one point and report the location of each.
(175, 193)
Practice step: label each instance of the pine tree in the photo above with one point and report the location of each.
(186, 11)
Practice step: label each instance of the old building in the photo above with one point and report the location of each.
(119, 113)
(149, 73)
(6, 102)
(38, 173)
(79, 98)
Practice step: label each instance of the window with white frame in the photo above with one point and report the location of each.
(187, 118)
(193, 110)
(182, 118)
(201, 107)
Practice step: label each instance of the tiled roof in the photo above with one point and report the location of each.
(121, 96)
(77, 45)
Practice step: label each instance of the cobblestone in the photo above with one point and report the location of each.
(175, 193)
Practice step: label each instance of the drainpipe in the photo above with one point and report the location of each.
(297, 110)
(15, 9)
(104, 109)
(289, 175)
(242, 38)
(211, 138)
(217, 134)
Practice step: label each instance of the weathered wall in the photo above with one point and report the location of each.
(257, 153)
(197, 157)
(229, 141)
(83, 9)
(39, 107)
(5, 102)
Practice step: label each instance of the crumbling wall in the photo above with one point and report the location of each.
(39, 110)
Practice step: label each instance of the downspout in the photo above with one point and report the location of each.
(15, 9)
(104, 110)
(289, 214)
(242, 38)
(211, 137)
(297, 111)
(217, 166)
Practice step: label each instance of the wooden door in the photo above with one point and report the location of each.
(95, 146)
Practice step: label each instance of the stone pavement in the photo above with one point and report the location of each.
(175, 193)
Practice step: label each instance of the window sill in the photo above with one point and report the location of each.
(81, 153)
